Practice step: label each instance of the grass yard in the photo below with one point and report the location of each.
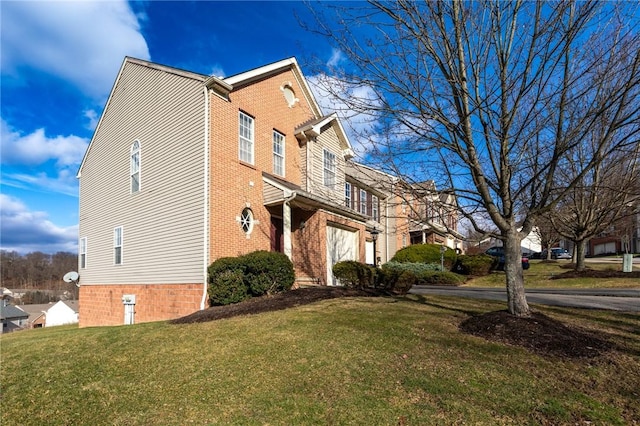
(358, 361)
(540, 274)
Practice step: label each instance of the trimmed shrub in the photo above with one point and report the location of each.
(268, 272)
(234, 279)
(425, 253)
(396, 280)
(227, 287)
(354, 274)
(476, 265)
(424, 274)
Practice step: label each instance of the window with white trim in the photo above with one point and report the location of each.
(83, 252)
(375, 214)
(347, 194)
(246, 134)
(329, 167)
(134, 166)
(117, 245)
(246, 220)
(363, 201)
(278, 153)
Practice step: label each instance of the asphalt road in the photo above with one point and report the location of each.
(627, 300)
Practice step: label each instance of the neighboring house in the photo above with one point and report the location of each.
(37, 314)
(403, 214)
(185, 168)
(62, 313)
(12, 317)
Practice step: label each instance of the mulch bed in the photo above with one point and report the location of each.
(537, 333)
(276, 302)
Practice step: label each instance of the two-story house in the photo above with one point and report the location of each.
(185, 168)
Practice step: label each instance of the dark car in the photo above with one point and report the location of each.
(498, 252)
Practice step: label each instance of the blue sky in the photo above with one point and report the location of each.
(59, 61)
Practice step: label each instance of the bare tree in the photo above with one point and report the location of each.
(488, 98)
(546, 232)
(604, 196)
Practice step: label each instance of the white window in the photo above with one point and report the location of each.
(374, 208)
(117, 245)
(363, 201)
(278, 153)
(246, 221)
(83, 252)
(134, 167)
(245, 144)
(329, 169)
(347, 194)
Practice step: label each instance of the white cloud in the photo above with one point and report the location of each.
(36, 148)
(336, 58)
(329, 92)
(83, 42)
(217, 71)
(93, 118)
(26, 231)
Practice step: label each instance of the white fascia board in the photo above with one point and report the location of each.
(95, 132)
(248, 76)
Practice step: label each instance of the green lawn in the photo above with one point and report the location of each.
(540, 273)
(359, 361)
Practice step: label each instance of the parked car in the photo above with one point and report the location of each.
(498, 251)
(557, 253)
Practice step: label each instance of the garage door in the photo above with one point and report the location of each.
(606, 248)
(341, 245)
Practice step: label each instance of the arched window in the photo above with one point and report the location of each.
(134, 166)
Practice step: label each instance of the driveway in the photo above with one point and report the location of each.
(610, 299)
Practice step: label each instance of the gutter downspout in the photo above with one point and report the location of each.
(205, 231)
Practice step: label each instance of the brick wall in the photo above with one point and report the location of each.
(102, 304)
(235, 185)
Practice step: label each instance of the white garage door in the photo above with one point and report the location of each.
(341, 245)
(605, 248)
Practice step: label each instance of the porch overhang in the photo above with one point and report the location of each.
(278, 191)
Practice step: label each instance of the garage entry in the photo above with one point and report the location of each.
(342, 244)
(606, 248)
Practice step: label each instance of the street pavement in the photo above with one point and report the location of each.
(627, 300)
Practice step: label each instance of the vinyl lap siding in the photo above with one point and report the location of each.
(329, 140)
(163, 239)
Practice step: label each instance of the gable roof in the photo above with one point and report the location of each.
(11, 312)
(265, 71)
(313, 128)
(135, 61)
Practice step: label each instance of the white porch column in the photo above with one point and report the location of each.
(286, 224)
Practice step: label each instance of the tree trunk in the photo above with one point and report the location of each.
(516, 299)
(580, 247)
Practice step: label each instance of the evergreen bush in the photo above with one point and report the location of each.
(354, 274)
(477, 265)
(268, 272)
(425, 253)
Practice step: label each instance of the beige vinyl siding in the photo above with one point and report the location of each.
(271, 194)
(163, 223)
(328, 139)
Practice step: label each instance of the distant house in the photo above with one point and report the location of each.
(12, 317)
(185, 168)
(36, 313)
(62, 313)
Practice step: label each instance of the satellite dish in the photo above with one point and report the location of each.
(71, 277)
